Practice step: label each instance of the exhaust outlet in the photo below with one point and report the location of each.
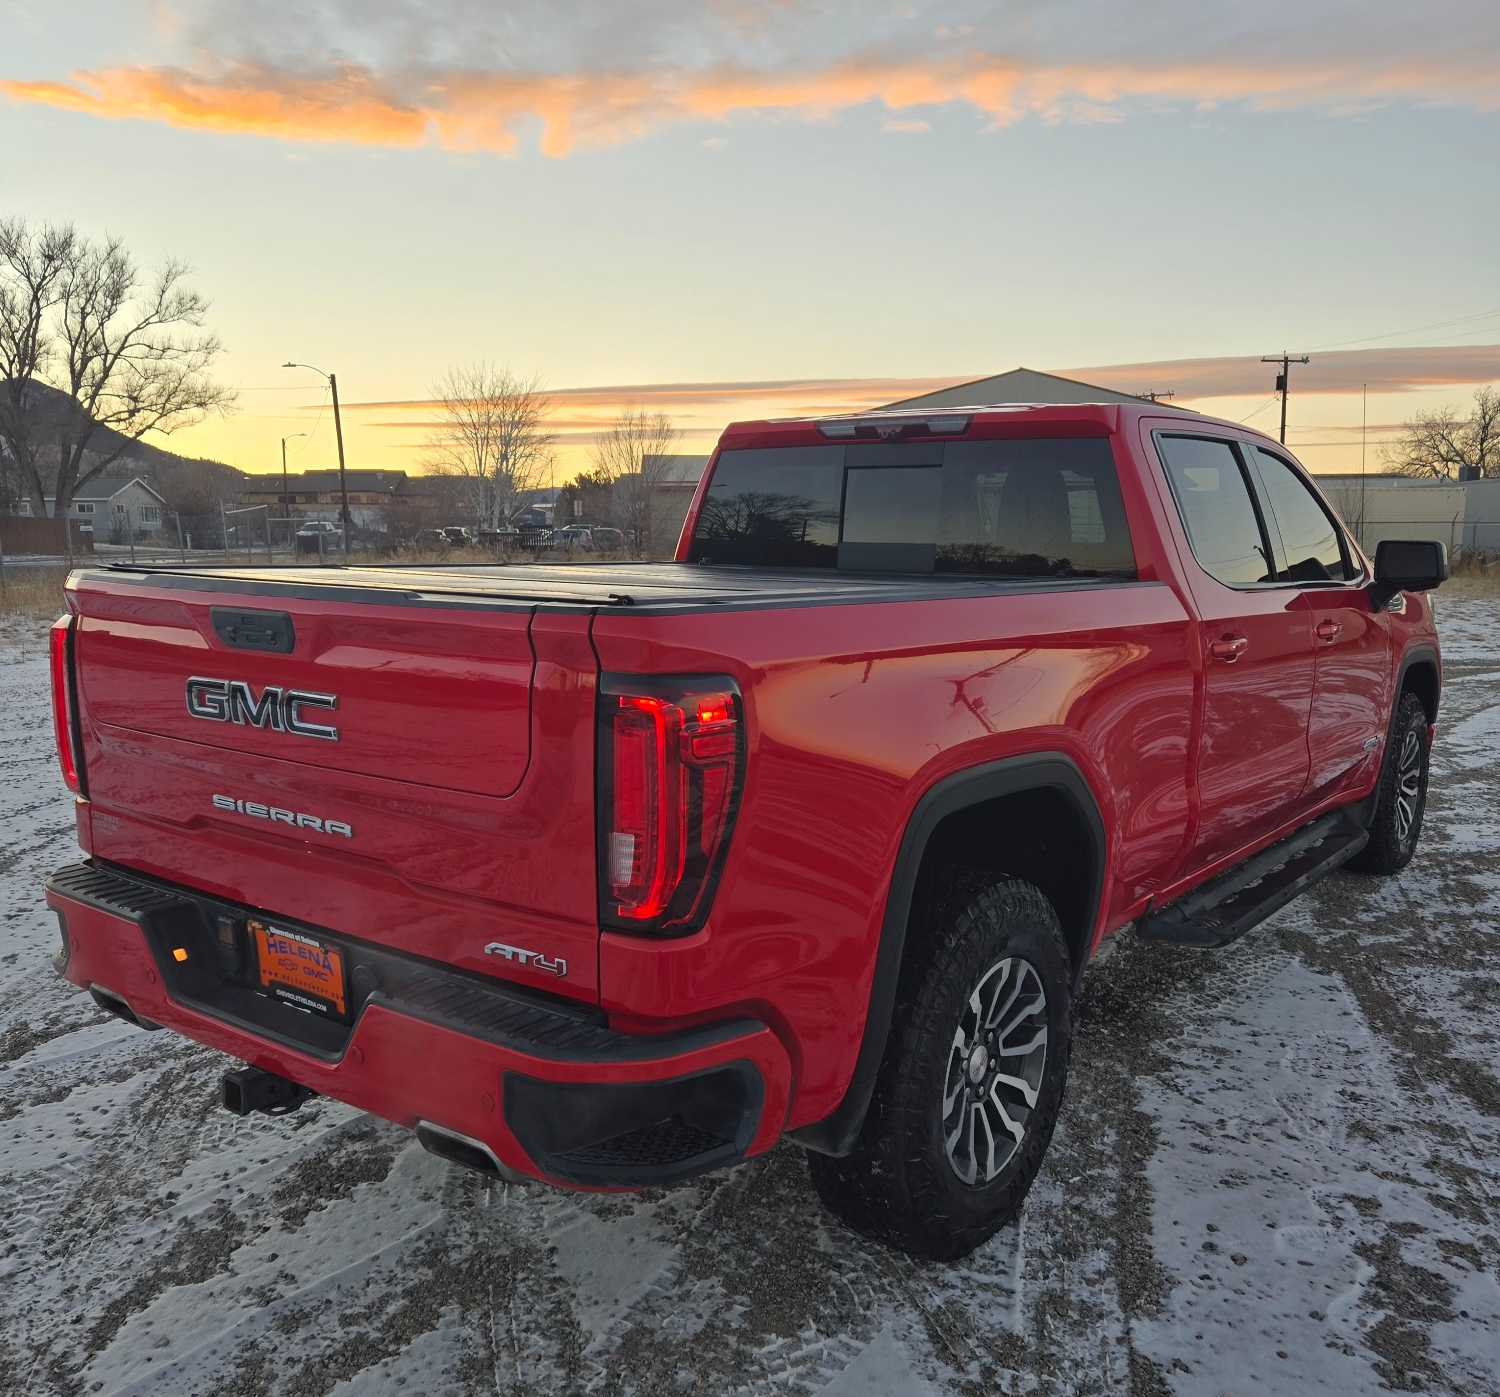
(249, 1090)
(467, 1153)
(111, 1003)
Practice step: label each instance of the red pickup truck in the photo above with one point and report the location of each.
(609, 875)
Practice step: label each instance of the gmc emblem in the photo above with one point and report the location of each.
(280, 710)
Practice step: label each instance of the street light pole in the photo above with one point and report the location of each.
(338, 428)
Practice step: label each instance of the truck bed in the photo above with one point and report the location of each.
(672, 587)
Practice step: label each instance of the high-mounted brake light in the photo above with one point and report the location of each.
(882, 428)
(65, 704)
(669, 768)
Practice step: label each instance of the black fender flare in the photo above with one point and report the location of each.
(1041, 771)
(1414, 656)
(1364, 810)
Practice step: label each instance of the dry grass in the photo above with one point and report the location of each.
(1474, 577)
(34, 593)
(1472, 584)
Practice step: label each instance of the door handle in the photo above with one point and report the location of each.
(1328, 630)
(1229, 649)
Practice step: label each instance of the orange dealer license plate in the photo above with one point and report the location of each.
(299, 969)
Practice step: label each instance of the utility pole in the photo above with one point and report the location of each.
(1159, 395)
(286, 494)
(1283, 380)
(286, 498)
(338, 427)
(338, 431)
(1364, 424)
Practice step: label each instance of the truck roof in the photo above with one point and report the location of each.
(979, 420)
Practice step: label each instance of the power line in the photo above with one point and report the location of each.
(1284, 380)
(1411, 330)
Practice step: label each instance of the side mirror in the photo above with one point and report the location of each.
(1408, 565)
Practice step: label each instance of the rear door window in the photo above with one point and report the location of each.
(1048, 508)
(1213, 497)
(775, 508)
(1311, 547)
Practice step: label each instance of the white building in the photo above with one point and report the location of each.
(1482, 515)
(1378, 507)
(114, 508)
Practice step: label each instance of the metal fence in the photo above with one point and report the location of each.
(1463, 538)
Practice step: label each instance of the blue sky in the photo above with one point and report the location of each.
(652, 193)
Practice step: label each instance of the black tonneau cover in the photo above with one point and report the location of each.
(657, 586)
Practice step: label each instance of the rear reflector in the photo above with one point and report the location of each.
(670, 764)
(65, 705)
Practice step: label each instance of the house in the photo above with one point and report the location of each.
(673, 479)
(316, 494)
(114, 508)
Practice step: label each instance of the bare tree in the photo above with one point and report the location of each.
(634, 456)
(493, 436)
(1439, 444)
(93, 356)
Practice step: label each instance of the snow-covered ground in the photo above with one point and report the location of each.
(1278, 1171)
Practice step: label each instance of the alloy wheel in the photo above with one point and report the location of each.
(1408, 784)
(995, 1070)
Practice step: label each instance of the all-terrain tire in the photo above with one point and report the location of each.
(1402, 793)
(899, 1185)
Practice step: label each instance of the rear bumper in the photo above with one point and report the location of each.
(547, 1088)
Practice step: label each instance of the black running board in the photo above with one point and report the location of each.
(1225, 909)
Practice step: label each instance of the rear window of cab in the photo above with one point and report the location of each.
(1038, 508)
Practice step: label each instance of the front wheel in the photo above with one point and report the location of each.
(1401, 797)
(973, 1077)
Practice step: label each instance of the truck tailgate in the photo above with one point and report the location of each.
(438, 698)
(411, 775)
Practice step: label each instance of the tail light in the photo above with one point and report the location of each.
(65, 705)
(671, 760)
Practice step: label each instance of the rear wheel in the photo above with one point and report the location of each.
(973, 1077)
(1402, 793)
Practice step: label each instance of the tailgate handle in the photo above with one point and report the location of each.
(255, 630)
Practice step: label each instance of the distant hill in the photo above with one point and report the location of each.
(189, 484)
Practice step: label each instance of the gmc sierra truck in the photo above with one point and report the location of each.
(607, 875)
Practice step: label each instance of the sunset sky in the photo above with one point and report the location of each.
(734, 209)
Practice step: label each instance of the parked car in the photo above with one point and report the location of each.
(458, 536)
(810, 834)
(314, 534)
(574, 538)
(607, 540)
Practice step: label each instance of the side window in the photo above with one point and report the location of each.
(1313, 551)
(1213, 498)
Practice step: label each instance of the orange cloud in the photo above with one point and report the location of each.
(1334, 371)
(615, 397)
(700, 410)
(466, 110)
(349, 104)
